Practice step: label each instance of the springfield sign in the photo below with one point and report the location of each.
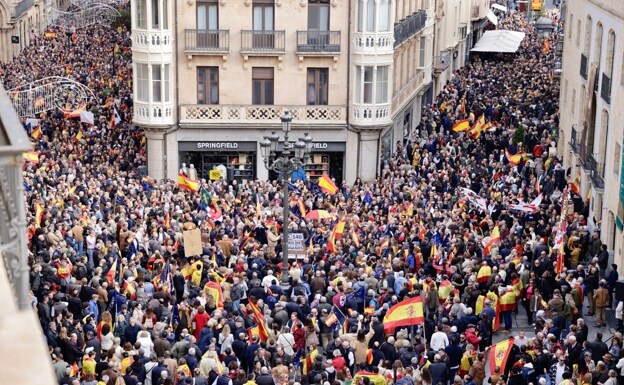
(296, 246)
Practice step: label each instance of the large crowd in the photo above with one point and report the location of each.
(120, 303)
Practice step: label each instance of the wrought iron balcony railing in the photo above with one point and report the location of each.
(207, 40)
(318, 41)
(253, 41)
(409, 26)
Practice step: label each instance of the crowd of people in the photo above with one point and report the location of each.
(120, 302)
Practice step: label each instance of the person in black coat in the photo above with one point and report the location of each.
(265, 378)
(439, 371)
(239, 347)
(378, 335)
(388, 349)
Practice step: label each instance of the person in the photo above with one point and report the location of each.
(439, 339)
(601, 299)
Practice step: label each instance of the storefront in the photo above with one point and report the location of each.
(326, 158)
(235, 160)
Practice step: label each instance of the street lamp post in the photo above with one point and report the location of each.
(285, 164)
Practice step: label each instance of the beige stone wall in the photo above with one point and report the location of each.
(290, 70)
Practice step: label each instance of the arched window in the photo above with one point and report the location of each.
(598, 45)
(610, 54)
(588, 35)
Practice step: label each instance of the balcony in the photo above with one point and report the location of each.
(156, 113)
(318, 42)
(375, 114)
(605, 88)
(596, 171)
(250, 114)
(442, 62)
(206, 42)
(584, 66)
(462, 31)
(574, 141)
(371, 43)
(152, 41)
(475, 12)
(409, 27)
(263, 42)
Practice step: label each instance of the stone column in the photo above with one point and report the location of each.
(369, 154)
(155, 154)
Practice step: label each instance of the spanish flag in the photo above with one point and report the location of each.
(499, 354)
(494, 238)
(375, 378)
(301, 207)
(167, 223)
(79, 135)
(560, 263)
(196, 272)
(336, 234)
(405, 313)
(463, 105)
(263, 332)
(253, 331)
(111, 275)
(214, 289)
(37, 133)
(369, 356)
(576, 185)
(75, 113)
(546, 46)
(515, 159)
(461, 125)
(31, 157)
(38, 214)
(50, 35)
(444, 290)
(327, 185)
(39, 102)
(187, 183)
(508, 301)
(484, 274)
(129, 289)
(479, 305)
(309, 360)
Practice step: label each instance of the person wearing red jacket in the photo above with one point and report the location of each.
(471, 336)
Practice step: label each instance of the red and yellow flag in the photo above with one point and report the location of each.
(461, 125)
(301, 207)
(187, 183)
(37, 133)
(479, 305)
(405, 313)
(508, 301)
(336, 234)
(494, 238)
(327, 185)
(576, 185)
(214, 289)
(31, 157)
(263, 332)
(484, 274)
(515, 159)
(560, 255)
(38, 214)
(444, 290)
(499, 353)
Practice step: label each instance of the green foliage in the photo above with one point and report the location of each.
(124, 20)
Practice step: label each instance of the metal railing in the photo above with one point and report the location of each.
(318, 41)
(409, 26)
(605, 88)
(462, 31)
(207, 40)
(584, 66)
(263, 41)
(574, 140)
(23, 6)
(596, 171)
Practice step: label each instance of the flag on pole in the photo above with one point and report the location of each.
(327, 185)
(301, 206)
(461, 125)
(336, 234)
(112, 272)
(576, 185)
(405, 313)
(188, 184)
(263, 332)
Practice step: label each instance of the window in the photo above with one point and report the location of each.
(370, 16)
(578, 33)
(208, 15)
(360, 15)
(263, 16)
(598, 45)
(208, 85)
(262, 86)
(565, 92)
(570, 26)
(318, 15)
(317, 87)
(155, 15)
(142, 78)
(384, 16)
(573, 104)
(610, 54)
(165, 13)
(588, 33)
(141, 14)
(367, 96)
(421, 56)
(617, 158)
(156, 83)
(167, 83)
(381, 84)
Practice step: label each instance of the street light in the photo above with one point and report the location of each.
(70, 32)
(285, 164)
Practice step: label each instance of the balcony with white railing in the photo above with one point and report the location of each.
(156, 41)
(371, 114)
(261, 114)
(146, 113)
(373, 43)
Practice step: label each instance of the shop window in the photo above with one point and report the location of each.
(142, 79)
(141, 14)
(208, 85)
(317, 88)
(262, 86)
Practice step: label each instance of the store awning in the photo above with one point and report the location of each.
(499, 41)
(499, 7)
(492, 17)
